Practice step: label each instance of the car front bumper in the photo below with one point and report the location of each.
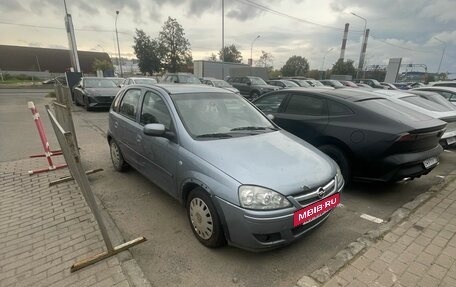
(264, 230)
(100, 101)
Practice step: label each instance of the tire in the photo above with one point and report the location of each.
(340, 158)
(86, 104)
(254, 95)
(117, 158)
(204, 219)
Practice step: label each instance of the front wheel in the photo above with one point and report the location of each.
(204, 220)
(340, 158)
(117, 158)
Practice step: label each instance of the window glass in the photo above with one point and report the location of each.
(154, 111)
(337, 109)
(129, 104)
(99, 83)
(425, 104)
(446, 95)
(306, 105)
(270, 103)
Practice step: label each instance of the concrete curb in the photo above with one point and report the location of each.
(357, 247)
(130, 267)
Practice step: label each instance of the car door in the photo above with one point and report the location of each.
(303, 115)
(158, 154)
(126, 128)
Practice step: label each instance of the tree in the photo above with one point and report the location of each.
(265, 60)
(232, 54)
(103, 65)
(213, 57)
(147, 52)
(343, 68)
(295, 66)
(314, 74)
(174, 46)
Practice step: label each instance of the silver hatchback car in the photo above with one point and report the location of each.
(242, 179)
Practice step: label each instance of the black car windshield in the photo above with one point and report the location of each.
(257, 81)
(336, 84)
(221, 84)
(219, 115)
(290, 83)
(302, 83)
(315, 83)
(99, 83)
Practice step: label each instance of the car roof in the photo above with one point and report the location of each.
(439, 88)
(99, 78)
(351, 95)
(174, 89)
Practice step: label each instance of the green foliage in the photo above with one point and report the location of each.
(265, 61)
(147, 52)
(314, 74)
(295, 66)
(20, 77)
(343, 68)
(232, 54)
(213, 57)
(174, 47)
(103, 65)
(275, 74)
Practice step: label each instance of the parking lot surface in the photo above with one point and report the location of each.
(172, 256)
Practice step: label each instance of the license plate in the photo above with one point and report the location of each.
(430, 162)
(451, 140)
(315, 210)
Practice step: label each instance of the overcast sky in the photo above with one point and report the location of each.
(399, 28)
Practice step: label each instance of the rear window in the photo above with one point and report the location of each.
(392, 110)
(425, 104)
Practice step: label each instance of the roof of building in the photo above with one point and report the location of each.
(19, 58)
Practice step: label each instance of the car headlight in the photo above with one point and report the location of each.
(255, 197)
(339, 178)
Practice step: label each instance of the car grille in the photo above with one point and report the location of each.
(104, 99)
(310, 196)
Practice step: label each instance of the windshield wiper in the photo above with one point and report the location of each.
(215, 135)
(253, 128)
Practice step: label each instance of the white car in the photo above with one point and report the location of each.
(429, 108)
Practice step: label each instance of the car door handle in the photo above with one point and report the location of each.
(116, 124)
(138, 138)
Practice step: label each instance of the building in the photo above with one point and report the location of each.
(44, 62)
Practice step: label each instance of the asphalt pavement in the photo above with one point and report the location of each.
(172, 256)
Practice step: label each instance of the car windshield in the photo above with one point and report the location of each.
(425, 104)
(375, 82)
(99, 83)
(185, 79)
(290, 83)
(315, 83)
(145, 81)
(257, 81)
(302, 83)
(221, 84)
(336, 84)
(219, 115)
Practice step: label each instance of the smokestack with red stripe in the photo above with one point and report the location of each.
(344, 42)
(363, 51)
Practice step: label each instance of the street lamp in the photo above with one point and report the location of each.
(323, 64)
(118, 47)
(443, 52)
(363, 48)
(251, 50)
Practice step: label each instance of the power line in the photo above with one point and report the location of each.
(59, 28)
(399, 46)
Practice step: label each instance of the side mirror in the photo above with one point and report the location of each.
(270, 116)
(158, 130)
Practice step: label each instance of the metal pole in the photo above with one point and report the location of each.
(119, 62)
(443, 53)
(363, 45)
(251, 50)
(323, 64)
(223, 40)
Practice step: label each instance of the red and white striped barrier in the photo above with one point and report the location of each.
(48, 153)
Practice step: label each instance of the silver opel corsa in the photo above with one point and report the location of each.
(242, 179)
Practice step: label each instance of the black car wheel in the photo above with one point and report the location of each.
(204, 220)
(85, 101)
(340, 158)
(117, 158)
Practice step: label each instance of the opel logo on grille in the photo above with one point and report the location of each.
(321, 192)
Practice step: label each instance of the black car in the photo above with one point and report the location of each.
(92, 92)
(373, 83)
(332, 83)
(180, 78)
(251, 87)
(282, 84)
(370, 137)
